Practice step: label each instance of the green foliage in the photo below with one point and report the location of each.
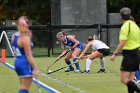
(40, 10)
(4, 1)
(115, 6)
(37, 10)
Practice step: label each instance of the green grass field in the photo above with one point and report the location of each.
(70, 82)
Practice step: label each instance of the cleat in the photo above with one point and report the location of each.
(137, 82)
(101, 71)
(86, 72)
(77, 70)
(68, 70)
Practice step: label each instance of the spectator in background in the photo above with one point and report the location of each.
(25, 66)
(129, 44)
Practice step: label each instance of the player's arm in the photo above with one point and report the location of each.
(86, 56)
(12, 39)
(74, 41)
(28, 52)
(118, 49)
(120, 46)
(64, 50)
(84, 51)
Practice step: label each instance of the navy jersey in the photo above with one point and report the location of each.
(71, 44)
(22, 66)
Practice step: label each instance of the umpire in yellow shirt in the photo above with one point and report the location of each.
(129, 44)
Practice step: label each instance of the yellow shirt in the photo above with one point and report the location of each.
(130, 34)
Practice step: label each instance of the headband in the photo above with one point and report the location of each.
(23, 22)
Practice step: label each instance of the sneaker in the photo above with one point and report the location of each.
(101, 71)
(137, 82)
(86, 71)
(77, 70)
(68, 70)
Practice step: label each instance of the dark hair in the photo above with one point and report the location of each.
(90, 38)
(132, 18)
(63, 33)
(125, 13)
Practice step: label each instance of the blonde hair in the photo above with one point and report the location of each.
(22, 25)
(60, 34)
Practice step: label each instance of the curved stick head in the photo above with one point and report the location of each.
(47, 69)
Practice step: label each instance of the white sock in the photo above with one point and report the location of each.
(88, 63)
(102, 63)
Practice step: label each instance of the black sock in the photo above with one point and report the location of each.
(132, 87)
(130, 90)
(68, 63)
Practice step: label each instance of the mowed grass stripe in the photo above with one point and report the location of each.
(93, 83)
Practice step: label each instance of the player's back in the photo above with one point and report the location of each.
(17, 50)
(22, 66)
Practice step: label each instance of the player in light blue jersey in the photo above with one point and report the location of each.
(75, 45)
(25, 66)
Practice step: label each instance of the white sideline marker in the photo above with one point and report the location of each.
(37, 82)
(4, 34)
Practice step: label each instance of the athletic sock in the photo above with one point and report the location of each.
(23, 91)
(88, 63)
(130, 90)
(76, 64)
(132, 87)
(102, 63)
(68, 63)
(137, 74)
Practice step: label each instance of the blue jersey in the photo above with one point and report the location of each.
(71, 44)
(22, 66)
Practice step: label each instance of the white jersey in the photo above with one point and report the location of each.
(97, 44)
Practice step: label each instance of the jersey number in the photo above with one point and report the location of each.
(17, 51)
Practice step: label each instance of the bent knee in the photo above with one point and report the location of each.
(66, 59)
(124, 81)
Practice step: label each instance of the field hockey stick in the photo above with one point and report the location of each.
(58, 59)
(61, 68)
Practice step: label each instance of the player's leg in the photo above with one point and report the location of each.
(126, 79)
(93, 55)
(105, 52)
(75, 53)
(25, 84)
(130, 64)
(102, 65)
(68, 62)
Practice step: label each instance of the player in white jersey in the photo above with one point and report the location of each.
(100, 50)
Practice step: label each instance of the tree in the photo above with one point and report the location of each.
(116, 5)
(38, 10)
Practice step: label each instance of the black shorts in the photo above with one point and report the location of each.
(104, 51)
(131, 60)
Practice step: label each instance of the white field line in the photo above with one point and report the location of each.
(62, 82)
